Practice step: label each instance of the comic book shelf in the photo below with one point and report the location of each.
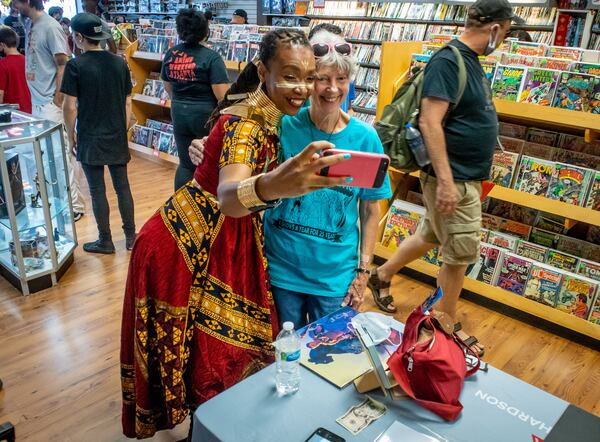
(395, 60)
(141, 65)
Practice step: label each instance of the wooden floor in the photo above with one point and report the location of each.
(59, 349)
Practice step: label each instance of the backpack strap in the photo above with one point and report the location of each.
(462, 73)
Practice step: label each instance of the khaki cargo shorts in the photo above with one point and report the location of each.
(458, 234)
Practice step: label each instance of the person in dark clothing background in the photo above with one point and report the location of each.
(239, 17)
(195, 78)
(14, 21)
(97, 88)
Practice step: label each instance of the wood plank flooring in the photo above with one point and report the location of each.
(59, 349)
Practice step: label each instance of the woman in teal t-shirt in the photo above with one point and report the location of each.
(317, 260)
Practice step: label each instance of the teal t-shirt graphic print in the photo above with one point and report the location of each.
(312, 241)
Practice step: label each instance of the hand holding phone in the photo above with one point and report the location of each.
(368, 170)
(323, 435)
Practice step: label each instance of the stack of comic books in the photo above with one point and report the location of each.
(402, 222)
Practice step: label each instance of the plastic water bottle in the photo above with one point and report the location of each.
(287, 360)
(416, 145)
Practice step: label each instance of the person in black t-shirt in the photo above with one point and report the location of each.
(13, 21)
(97, 88)
(195, 78)
(460, 135)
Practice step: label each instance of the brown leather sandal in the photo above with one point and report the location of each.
(470, 341)
(375, 285)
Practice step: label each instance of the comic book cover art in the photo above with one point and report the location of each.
(512, 130)
(590, 250)
(570, 245)
(595, 310)
(550, 222)
(578, 144)
(489, 67)
(543, 284)
(589, 269)
(576, 295)
(503, 168)
(515, 228)
(513, 273)
(503, 240)
(576, 158)
(593, 198)
(532, 251)
(140, 135)
(509, 59)
(539, 86)
(595, 101)
(544, 238)
(401, 223)
(485, 268)
(507, 82)
(534, 175)
(483, 234)
(542, 136)
(490, 222)
(562, 260)
(165, 142)
(148, 88)
(536, 150)
(563, 52)
(331, 349)
(574, 91)
(238, 49)
(569, 184)
(559, 64)
(510, 144)
(586, 68)
(528, 48)
(417, 63)
(221, 47)
(155, 142)
(433, 256)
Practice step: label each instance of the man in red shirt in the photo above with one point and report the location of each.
(13, 85)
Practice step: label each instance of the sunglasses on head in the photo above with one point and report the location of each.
(322, 49)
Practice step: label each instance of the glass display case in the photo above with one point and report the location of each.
(37, 232)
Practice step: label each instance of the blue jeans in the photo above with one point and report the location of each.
(301, 308)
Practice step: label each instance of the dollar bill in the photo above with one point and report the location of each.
(358, 417)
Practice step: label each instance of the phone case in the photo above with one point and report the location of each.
(367, 169)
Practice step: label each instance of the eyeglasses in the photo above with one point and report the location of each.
(322, 49)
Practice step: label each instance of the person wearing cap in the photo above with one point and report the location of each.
(93, 7)
(97, 88)
(460, 136)
(239, 17)
(46, 55)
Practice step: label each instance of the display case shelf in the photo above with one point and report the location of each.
(505, 297)
(152, 100)
(148, 151)
(33, 217)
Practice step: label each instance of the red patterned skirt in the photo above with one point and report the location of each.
(198, 314)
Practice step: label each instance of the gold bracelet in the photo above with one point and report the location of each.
(246, 193)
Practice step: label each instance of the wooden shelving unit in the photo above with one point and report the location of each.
(395, 60)
(505, 297)
(142, 64)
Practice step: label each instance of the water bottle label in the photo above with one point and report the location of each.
(290, 357)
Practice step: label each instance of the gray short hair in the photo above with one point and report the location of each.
(345, 64)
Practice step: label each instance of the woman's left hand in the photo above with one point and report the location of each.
(356, 292)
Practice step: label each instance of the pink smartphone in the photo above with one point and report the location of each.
(367, 169)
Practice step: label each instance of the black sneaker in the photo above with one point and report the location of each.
(77, 216)
(99, 247)
(129, 240)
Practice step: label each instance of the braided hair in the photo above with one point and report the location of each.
(248, 80)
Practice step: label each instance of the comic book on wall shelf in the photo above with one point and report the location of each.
(539, 86)
(544, 238)
(513, 273)
(542, 136)
(543, 284)
(586, 68)
(486, 268)
(503, 240)
(576, 158)
(503, 168)
(593, 198)
(140, 135)
(532, 251)
(512, 130)
(515, 228)
(589, 269)
(507, 82)
(510, 59)
(562, 260)
(576, 295)
(569, 184)
(558, 64)
(489, 67)
(401, 223)
(534, 175)
(528, 48)
(550, 222)
(595, 313)
(574, 91)
(563, 52)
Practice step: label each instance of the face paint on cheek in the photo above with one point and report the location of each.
(288, 85)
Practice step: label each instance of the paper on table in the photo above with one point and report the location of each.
(400, 432)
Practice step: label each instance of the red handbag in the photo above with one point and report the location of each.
(432, 372)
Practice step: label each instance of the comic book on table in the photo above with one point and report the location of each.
(331, 349)
(401, 223)
(513, 273)
(543, 284)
